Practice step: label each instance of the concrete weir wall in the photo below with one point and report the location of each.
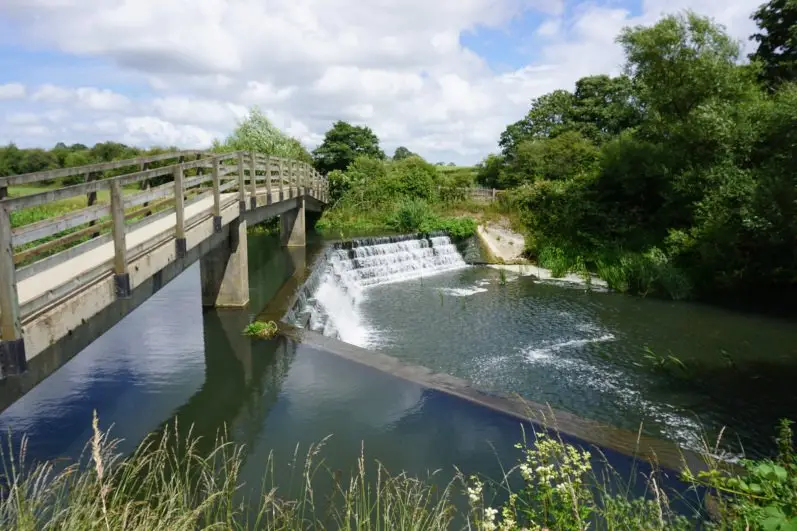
(55, 334)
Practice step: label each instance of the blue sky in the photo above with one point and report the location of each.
(442, 78)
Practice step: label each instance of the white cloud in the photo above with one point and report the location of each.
(398, 66)
(150, 130)
(52, 94)
(12, 91)
(101, 99)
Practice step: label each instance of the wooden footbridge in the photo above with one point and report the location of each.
(65, 280)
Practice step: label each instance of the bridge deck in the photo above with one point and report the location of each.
(34, 287)
(61, 272)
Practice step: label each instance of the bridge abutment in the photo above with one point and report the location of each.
(225, 271)
(292, 225)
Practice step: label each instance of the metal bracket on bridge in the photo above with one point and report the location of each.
(242, 206)
(253, 202)
(180, 247)
(122, 285)
(268, 198)
(12, 357)
(216, 223)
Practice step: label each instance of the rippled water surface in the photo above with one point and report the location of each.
(586, 352)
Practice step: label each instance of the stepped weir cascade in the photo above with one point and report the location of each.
(329, 302)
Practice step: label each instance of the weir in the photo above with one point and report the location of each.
(329, 299)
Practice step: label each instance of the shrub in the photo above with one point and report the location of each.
(411, 215)
(261, 330)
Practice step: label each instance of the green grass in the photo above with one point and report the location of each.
(173, 482)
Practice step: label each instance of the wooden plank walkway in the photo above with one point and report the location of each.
(44, 261)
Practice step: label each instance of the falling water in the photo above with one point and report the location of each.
(331, 297)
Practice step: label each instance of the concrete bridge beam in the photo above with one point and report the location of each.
(225, 271)
(292, 225)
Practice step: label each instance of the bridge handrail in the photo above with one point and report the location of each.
(47, 175)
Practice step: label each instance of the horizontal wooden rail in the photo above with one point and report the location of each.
(27, 178)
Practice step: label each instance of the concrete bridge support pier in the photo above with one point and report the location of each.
(225, 271)
(292, 226)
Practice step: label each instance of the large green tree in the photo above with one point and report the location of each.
(257, 133)
(343, 144)
(777, 41)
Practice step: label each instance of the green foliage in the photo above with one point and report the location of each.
(456, 227)
(410, 215)
(488, 171)
(257, 133)
(676, 179)
(343, 144)
(777, 41)
(402, 153)
(261, 330)
(566, 156)
(763, 496)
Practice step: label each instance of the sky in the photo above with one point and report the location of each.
(441, 77)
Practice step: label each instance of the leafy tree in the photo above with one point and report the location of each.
(566, 156)
(548, 116)
(604, 106)
(402, 153)
(488, 171)
(257, 133)
(109, 151)
(342, 144)
(682, 62)
(777, 41)
(10, 160)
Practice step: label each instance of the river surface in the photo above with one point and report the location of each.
(596, 354)
(170, 360)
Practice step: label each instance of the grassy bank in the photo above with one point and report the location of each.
(167, 483)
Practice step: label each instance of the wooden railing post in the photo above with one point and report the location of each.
(121, 275)
(241, 184)
(3, 192)
(179, 209)
(216, 196)
(269, 199)
(252, 180)
(12, 345)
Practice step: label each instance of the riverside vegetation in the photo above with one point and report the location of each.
(676, 178)
(168, 482)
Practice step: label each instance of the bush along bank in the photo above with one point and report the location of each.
(409, 195)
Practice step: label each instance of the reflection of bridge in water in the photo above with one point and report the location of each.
(54, 305)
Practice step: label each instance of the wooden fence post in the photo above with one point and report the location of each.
(121, 275)
(253, 180)
(216, 196)
(269, 199)
(179, 209)
(493, 194)
(12, 345)
(241, 184)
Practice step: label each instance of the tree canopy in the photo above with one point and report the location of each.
(676, 177)
(257, 133)
(777, 41)
(342, 144)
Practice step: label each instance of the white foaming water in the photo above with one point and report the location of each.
(544, 352)
(683, 429)
(350, 270)
(463, 292)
